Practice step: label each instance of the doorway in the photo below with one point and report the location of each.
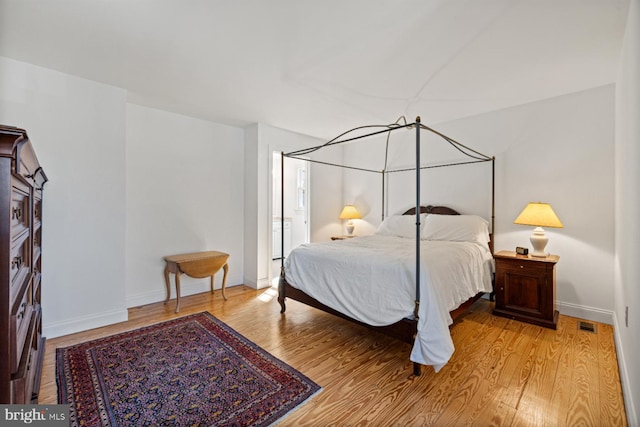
(295, 230)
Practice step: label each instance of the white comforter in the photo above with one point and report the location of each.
(372, 279)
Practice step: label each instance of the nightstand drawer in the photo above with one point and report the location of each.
(524, 263)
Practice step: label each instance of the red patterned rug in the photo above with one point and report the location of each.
(194, 370)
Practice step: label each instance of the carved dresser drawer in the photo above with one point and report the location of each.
(19, 321)
(19, 211)
(19, 263)
(24, 382)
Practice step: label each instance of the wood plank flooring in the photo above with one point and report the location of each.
(503, 372)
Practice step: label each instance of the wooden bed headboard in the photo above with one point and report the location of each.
(436, 210)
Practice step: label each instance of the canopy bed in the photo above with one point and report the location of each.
(413, 276)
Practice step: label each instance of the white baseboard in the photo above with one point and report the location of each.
(585, 312)
(259, 284)
(80, 324)
(581, 312)
(186, 289)
(160, 295)
(264, 283)
(148, 298)
(631, 410)
(84, 323)
(251, 283)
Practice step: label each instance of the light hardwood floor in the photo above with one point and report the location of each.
(503, 372)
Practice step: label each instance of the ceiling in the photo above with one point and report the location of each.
(320, 67)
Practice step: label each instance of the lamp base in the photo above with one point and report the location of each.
(350, 228)
(539, 241)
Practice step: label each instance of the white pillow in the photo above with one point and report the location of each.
(456, 228)
(400, 225)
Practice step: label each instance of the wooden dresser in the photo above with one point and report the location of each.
(21, 340)
(526, 288)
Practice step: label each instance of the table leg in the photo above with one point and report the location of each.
(166, 281)
(224, 280)
(177, 291)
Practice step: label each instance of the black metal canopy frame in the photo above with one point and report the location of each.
(473, 155)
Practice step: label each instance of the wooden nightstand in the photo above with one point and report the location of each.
(526, 288)
(342, 237)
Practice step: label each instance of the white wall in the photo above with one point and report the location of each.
(254, 268)
(128, 185)
(627, 288)
(78, 131)
(470, 194)
(559, 151)
(185, 193)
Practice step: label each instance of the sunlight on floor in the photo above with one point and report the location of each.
(269, 294)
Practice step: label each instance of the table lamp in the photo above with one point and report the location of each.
(350, 212)
(538, 215)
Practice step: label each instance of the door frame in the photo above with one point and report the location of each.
(274, 202)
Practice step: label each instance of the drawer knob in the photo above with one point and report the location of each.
(16, 262)
(522, 266)
(23, 306)
(16, 213)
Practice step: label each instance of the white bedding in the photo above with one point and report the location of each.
(372, 279)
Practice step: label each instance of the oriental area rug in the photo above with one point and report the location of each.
(190, 371)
